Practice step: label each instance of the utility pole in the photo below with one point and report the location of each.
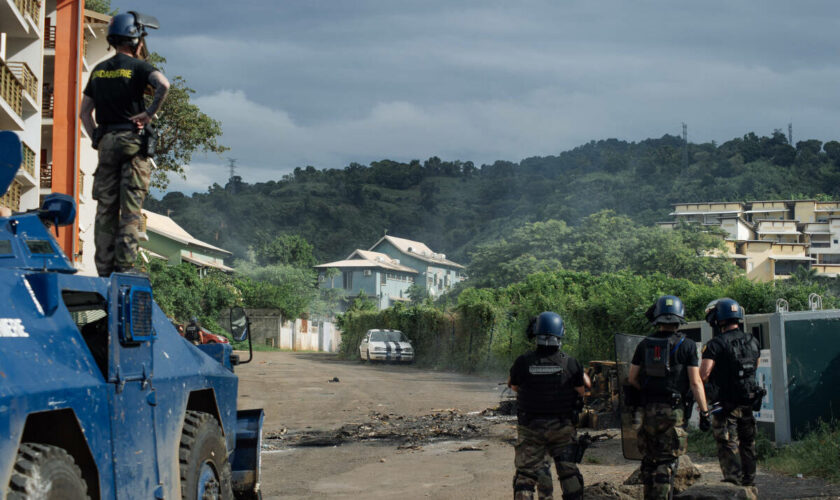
(790, 133)
(685, 145)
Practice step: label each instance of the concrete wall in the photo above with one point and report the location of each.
(268, 327)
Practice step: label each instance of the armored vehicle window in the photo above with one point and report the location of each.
(5, 247)
(40, 247)
(90, 313)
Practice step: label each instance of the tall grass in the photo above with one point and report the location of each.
(816, 454)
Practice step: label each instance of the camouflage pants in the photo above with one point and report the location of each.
(558, 438)
(120, 185)
(661, 440)
(734, 432)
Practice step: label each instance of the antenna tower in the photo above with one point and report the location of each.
(685, 145)
(790, 133)
(232, 168)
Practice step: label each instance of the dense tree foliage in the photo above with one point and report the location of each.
(486, 327)
(182, 128)
(603, 242)
(454, 206)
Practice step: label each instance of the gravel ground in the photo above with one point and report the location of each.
(387, 431)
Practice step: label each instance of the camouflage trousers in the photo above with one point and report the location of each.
(558, 438)
(734, 431)
(120, 185)
(661, 440)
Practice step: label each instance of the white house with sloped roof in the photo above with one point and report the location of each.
(387, 270)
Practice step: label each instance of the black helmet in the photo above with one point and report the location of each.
(193, 320)
(722, 311)
(549, 323)
(130, 27)
(668, 309)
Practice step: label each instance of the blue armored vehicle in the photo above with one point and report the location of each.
(100, 397)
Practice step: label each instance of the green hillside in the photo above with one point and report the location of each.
(453, 206)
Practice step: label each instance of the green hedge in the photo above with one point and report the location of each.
(485, 329)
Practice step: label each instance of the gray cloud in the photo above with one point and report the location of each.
(328, 82)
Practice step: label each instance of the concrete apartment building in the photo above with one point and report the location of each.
(770, 239)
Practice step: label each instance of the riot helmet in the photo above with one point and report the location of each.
(193, 320)
(128, 28)
(549, 329)
(724, 311)
(668, 309)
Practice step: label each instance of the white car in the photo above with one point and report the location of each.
(386, 345)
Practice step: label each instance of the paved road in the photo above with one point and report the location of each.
(298, 398)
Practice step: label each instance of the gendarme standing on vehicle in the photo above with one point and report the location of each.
(124, 139)
(730, 360)
(549, 389)
(665, 366)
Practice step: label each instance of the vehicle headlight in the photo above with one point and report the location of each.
(378, 349)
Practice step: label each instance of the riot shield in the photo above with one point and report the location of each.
(631, 411)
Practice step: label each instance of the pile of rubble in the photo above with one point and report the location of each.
(405, 431)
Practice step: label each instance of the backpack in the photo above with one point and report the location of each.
(658, 353)
(743, 355)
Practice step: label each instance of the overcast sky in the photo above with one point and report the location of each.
(326, 83)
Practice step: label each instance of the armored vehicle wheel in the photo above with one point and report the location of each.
(45, 472)
(205, 470)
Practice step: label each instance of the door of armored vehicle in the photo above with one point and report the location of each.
(132, 390)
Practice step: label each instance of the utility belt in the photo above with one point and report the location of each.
(754, 402)
(526, 418)
(675, 399)
(118, 127)
(148, 134)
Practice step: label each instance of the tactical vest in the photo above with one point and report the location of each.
(191, 333)
(741, 360)
(663, 379)
(546, 387)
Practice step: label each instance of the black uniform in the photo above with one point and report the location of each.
(735, 354)
(116, 86)
(191, 333)
(122, 177)
(663, 360)
(548, 403)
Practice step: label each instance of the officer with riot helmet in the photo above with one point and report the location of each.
(665, 366)
(549, 388)
(122, 135)
(729, 363)
(192, 332)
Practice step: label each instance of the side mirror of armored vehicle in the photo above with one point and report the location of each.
(240, 328)
(11, 154)
(238, 323)
(58, 209)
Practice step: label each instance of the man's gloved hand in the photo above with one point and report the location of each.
(705, 421)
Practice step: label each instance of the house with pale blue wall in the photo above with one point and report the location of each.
(387, 270)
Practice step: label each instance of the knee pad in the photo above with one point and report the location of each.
(572, 485)
(523, 482)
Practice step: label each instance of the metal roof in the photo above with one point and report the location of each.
(168, 228)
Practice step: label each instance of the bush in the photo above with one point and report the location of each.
(817, 453)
